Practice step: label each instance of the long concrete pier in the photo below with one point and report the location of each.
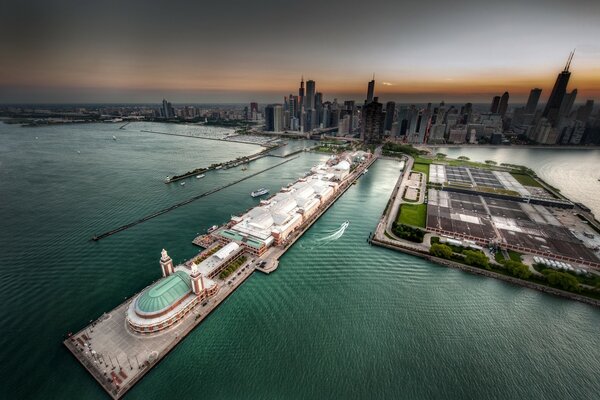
(118, 358)
(182, 203)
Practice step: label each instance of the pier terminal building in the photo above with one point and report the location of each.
(271, 222)
(168, 300)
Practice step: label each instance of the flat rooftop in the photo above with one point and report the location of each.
(513, 222)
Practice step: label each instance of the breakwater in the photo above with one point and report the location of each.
(182, 203)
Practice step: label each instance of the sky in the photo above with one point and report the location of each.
(240, 51)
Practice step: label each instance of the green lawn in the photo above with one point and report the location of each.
(413, 214)
(515, 256)
(418, 167)
(526, 180)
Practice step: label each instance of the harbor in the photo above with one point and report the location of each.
(120, 347)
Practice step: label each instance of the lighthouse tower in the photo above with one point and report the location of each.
(197, 281)
(166, 264)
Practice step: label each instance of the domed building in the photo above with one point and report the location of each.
(165, 302)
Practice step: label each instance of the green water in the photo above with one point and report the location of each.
(338, 319)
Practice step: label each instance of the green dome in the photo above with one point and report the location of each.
(164, 293)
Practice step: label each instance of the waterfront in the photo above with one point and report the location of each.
(338, 319)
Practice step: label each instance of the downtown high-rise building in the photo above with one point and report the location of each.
(533, 100)
(309, 102)
(495, 104)
(503, 106)
(167, 110)
(270, 118)
(390, 109)
(278, 118)
(552, 109)
(371, 90)
(372, 122)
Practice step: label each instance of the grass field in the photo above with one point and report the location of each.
(412, 214)
(526, 180)
(418, 167)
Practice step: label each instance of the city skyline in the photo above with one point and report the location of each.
(256, 52)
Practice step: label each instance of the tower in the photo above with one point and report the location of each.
(551, 112)
(166, 264)
(495, 104)
(532, 101)
(503, 104)
(309, 102)
(197, 280)
(372, 122)
(371, 90)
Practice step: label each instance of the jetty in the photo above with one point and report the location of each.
(184, 202)
(118, 358)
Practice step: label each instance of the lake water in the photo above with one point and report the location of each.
(338, 319)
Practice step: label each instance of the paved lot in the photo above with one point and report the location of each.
(531, 226)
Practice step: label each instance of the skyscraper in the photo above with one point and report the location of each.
(495, 104)
(551, 111)
(278, 118)
(300, 98)
(253, 111)
(167, 109)
(532, 101)
(309, 103)
(372, 122)
(269, 118)
(371, 90)
(503, 104)
(390, 108)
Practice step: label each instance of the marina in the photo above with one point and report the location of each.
(253, 240)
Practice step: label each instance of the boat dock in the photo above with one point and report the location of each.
(118, 358)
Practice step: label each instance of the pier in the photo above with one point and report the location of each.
(182, 203)
(118, 358)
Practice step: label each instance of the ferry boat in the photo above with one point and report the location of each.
(212, 229)
(200, 176)
(259, 192)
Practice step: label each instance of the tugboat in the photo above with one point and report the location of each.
(259, 192)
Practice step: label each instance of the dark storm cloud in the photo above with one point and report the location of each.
(113, 48)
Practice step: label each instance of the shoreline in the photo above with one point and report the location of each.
(490, 274)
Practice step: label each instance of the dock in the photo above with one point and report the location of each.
(118, 358)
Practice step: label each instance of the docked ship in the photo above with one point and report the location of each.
(212, 229)
(259, 192)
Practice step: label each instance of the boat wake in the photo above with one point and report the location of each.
(331, 236)
(337, 234)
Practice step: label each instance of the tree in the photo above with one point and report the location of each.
(463, 158)
(517, 269)
(441, 156)
(491, 162)
(440, 250)
(562, 280)
(476, 258)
